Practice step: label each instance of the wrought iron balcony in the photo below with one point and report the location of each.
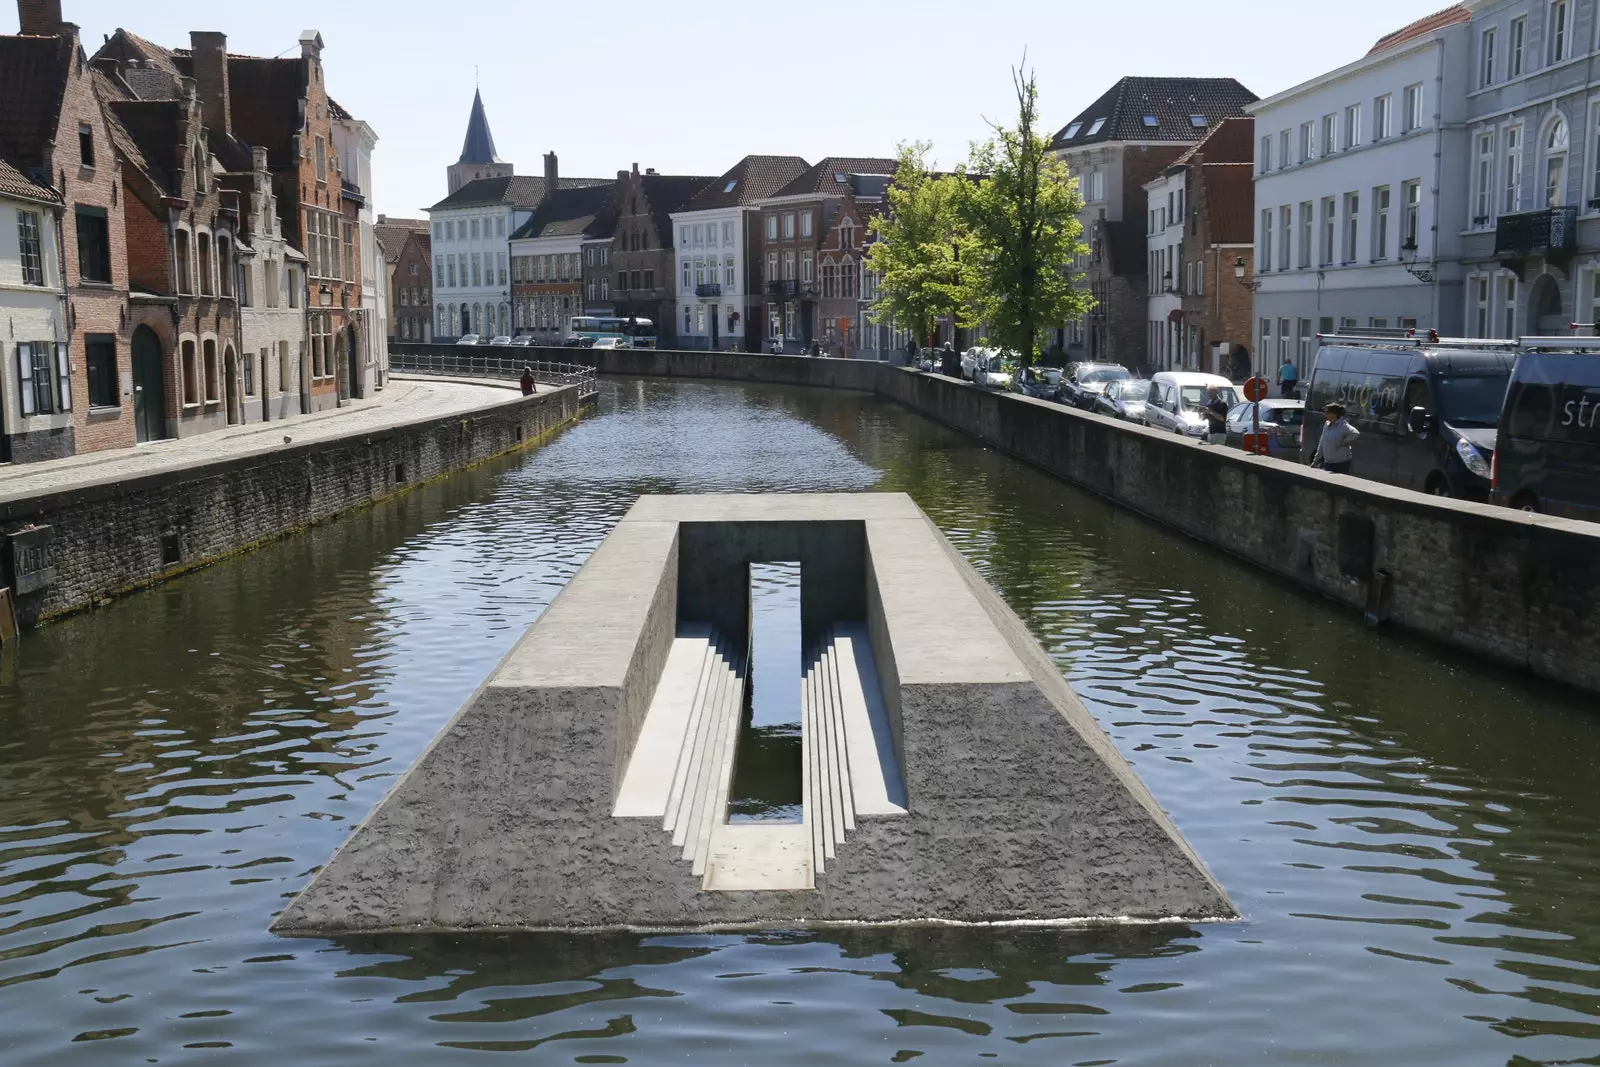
(708, 289)
(1552, 232)
(786, 287)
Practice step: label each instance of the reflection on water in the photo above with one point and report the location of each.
(1410, 837)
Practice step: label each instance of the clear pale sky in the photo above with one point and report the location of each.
(689, 88)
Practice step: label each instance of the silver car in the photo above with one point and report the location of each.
(1178, 399)
(1124, 399)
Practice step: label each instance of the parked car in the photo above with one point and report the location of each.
(1547, 452)
(1124, 399)
(611, 342)
(1280, 421)
(1041, 383)
(578, 342)
(992, 371)
(502, 340)
(971, 357)
(1428, 409)
(1086, 381)
(525, 341)
(467, 339)
(1178, 399)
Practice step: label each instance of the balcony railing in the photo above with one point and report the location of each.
(1552, 232)
(708, 289)
(785, 287)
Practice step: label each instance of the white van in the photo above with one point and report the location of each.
(1178, 400)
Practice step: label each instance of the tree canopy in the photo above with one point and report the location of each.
(915, 254)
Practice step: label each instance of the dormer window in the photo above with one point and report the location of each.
(1151, 120)
(1099, 124)
(729, 187)
(1197, 121)
(1072, 131)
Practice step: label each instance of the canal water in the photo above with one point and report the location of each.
(1411, 836)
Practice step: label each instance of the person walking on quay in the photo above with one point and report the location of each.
(1336, 450)
(1216, 412)
(911, 351)
(949, 362)
(527, 381)
(1288, 378)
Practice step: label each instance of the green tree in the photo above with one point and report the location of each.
(915, 251)
(1021, 211)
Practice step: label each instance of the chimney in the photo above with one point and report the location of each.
(636, 170)
(39, 18)
(650, 170)
(382, 219)
(622, 175)
(311, 45)
(211, 77)
(552, 173)
(258, 159)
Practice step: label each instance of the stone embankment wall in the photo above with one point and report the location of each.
(1522, 590)
(104, 538)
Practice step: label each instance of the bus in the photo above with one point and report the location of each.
(640, 333)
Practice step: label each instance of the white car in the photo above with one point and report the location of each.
(502, 340)
(612, 342)
(467, 339)
(1178, 400)
(972, 356)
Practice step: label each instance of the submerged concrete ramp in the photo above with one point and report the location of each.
(946, 770)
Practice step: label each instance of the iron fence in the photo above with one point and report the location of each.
(471, 362)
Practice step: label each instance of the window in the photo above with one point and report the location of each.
(85, 145)
(224, 268)
(807, 266)
(1096, 127)
(1266, 154)
(94, 245)
(1509, 307)
(1483, 178)
(1382, 116)
(1380, 223)
(772, 227)
(322, 161)
(686, 269)
(500, 226)
(772, 266)
(1266, 239)
(1519, 37)
(33, 374)
(1411, 207)
(203, 244)
(727, 231)
(1513, 176)
(1072, 131)
(788, 265)
(1308, 141)
(349, 271)
(1329, 213)
(1352, 225)
(1411, 101)
(634, 280)
(1480, 306)
(649, 279)
(605, 287)
(1330, 130)
(1197, 121)
(1266, 338)
(474, 229)
(30, 247)
(1303, 356)
(1284, 158)
(568, 272)
(1555, 162)
(209, 349)
(250, 368)
(788, 225)
(452, 272)
(1285, 228)
(774, 321)
(477, 269)
(1352, 126)
(1152, 121)
(805, 224)
(1486, 58)
(1560, 30)
(1307, 222)
(294, 288)
(728, 274)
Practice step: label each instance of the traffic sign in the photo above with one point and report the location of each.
(1255, 390)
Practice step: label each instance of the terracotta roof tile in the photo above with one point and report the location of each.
(392, 234)
(1230, 198)
(1423, 26)
(1230, 141)
(14, 183)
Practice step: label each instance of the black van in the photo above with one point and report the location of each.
(1548, 456)
(1427, 408)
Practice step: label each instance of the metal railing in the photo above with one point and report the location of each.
(708, 289)
(783, 287)
(1550, 232)
(471, 362)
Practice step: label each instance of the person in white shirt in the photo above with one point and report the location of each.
(1336, 450)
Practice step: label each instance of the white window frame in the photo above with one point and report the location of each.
(1559, 37)
(1511, 188)
(1517, 52)
(1411, 101)
(1383, 117)
(1352, 127)
(1482, 204)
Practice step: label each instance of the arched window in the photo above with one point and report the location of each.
(830, 278)
(203, 244)
(847, 278)
(224, 266)
(1555, 163)
(182, 268)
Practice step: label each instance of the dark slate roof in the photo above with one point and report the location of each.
(1172, 102)
(831, 177)
(264, 97)
(33, 76)
(336, 111)
(520, 190)
(392, 234)
(1436, 21)
(150, 139)
(1230, 141)
(15, 183)
(568, 212)
(752, 179)
(667, 193)
(479, 144)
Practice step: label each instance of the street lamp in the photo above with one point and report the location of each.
(1409, 251)
(1238, 274)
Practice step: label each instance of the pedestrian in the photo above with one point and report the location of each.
(1336, 452)
(1216, 413)
(950, 362)
(911, 351)
(527, 381)
(1288, 378)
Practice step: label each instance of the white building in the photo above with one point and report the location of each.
(33, 345)
(272, 320)
(354, 141)
(717, 285)
(1166, 271)
(1360, 192)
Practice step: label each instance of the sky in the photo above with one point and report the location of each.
(691, 87)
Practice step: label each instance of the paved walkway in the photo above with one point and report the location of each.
(405, 400)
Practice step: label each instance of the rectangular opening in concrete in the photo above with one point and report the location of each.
(767, 762)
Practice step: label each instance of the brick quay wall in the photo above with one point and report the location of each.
(109, 536)
(1522, 590)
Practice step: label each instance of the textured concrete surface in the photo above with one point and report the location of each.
(1018, 807)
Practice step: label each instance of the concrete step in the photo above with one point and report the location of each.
(647, 786)
(876, 786)
(713, 810)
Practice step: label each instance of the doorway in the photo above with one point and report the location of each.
(1548, 318)
(352, 350)
(149, 387)
(230, 385)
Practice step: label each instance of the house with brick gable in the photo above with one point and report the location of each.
(54, 131)
(1114, 147)
(796, 221)
(355, 142)
(717, 280)
(547, 259)
(642, 250)
(391, 235)
(272, 290)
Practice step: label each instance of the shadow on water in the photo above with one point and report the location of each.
(1409, 834)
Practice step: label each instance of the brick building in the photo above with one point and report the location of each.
(547, 254)
(272, 314)
(1221, 208)
(815, 209)
(641, 248)
(411, 290)
(1115, 147)
(54, 130)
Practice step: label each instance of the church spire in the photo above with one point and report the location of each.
(479, 145)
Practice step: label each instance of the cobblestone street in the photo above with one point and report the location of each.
(404, 401)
